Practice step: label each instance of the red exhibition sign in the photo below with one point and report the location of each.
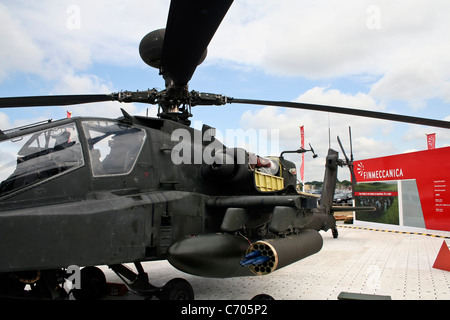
(431, 171)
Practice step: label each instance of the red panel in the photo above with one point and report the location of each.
(430, 169)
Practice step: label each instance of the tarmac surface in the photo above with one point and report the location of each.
(391, 263)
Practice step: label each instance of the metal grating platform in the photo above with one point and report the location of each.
(362, 260)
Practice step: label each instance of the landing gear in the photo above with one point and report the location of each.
(49, 284)
(175, 289)
(33, 285)
(93, 284)
(262, 296)
(335, 232)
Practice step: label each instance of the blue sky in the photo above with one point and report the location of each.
(381, 55)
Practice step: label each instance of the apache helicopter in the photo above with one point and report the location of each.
(94, 191)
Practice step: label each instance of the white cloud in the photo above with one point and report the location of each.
(60, 42)
(416, 136)
(4, 120)
(317, 126)
(81, 84)
(91, 84)
(42, 37)
(403, 43)
(417, 78)
(18, 52)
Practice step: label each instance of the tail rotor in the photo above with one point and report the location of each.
(349, 161)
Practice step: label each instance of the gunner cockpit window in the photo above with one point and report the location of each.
(113, 147)
(31, 158)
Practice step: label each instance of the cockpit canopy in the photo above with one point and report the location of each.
(113, 147)
(31, 158)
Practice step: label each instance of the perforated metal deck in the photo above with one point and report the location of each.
(361, 260)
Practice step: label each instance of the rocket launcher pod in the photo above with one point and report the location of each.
(225, 255)
(281, 252)
(254, 258)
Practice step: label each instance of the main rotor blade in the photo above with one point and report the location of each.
(190, 27)
(61, 100)
(349, 111)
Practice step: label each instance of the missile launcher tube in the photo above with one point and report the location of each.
(219, 255)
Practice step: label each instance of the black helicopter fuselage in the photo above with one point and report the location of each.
(91, 191)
